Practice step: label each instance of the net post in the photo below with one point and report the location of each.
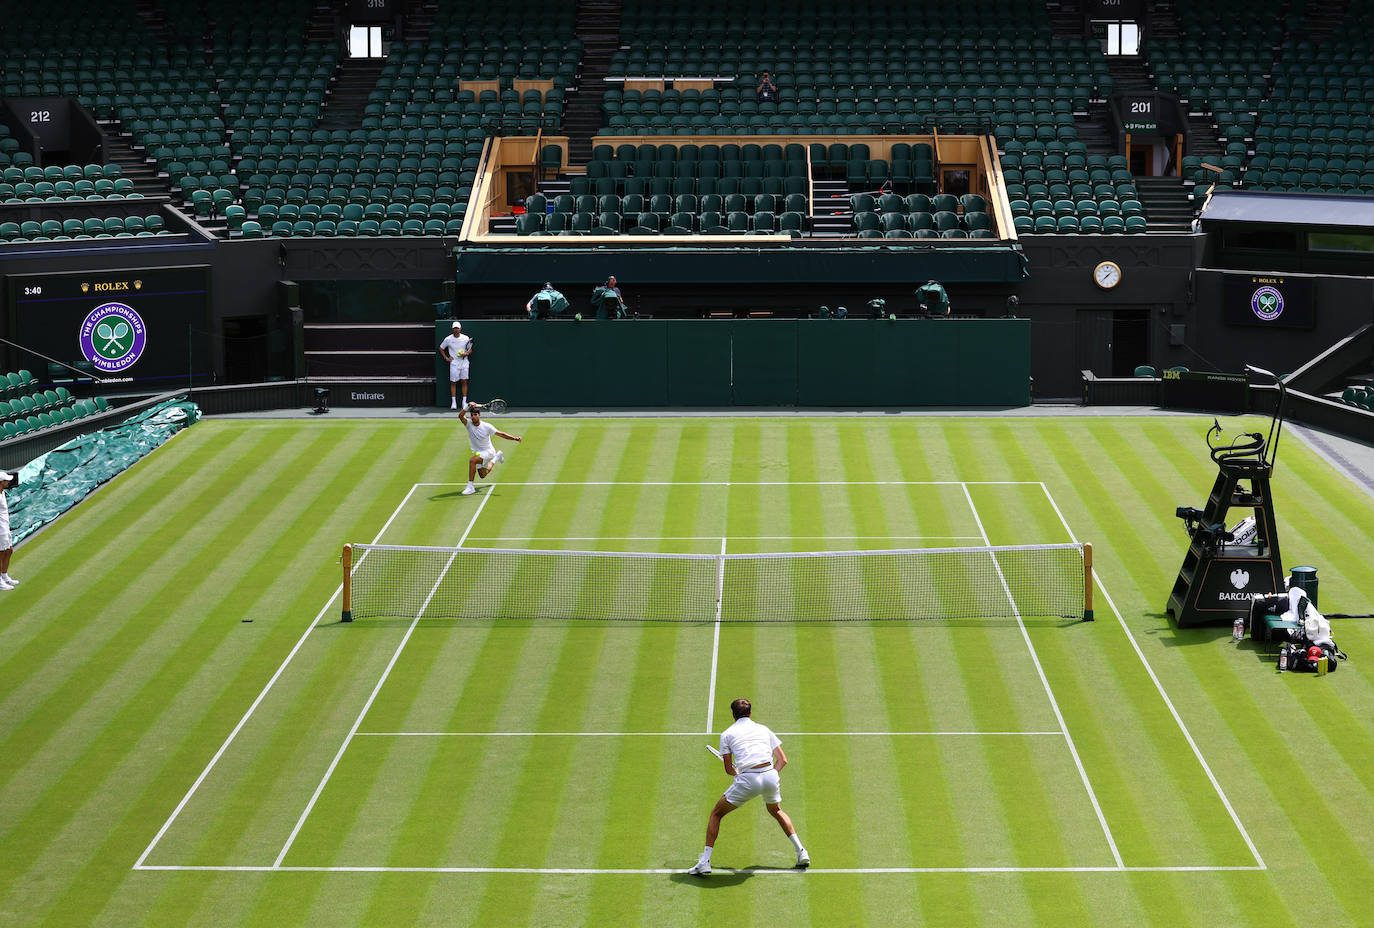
(347, 561)
(1087, 581)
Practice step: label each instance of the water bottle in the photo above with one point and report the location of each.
(1283, 659)
(1238, 629)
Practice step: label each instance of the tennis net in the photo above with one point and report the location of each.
(817, 586)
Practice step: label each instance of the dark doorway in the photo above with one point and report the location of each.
(245, 349)
(1130, 340)
(1140, 161)
(955, 181)
(1112, 342)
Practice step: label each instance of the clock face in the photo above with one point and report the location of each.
(1107, 274)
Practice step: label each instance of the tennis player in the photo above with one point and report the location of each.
(456, 349)
(753, 756)
(6, 542)
(484, 455)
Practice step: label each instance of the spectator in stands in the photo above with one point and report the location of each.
(6, 543)
(767, 90)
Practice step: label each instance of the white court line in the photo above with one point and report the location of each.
(329, 772)
(138, 864)
(754, 483)
(715, 639)
(1169, 703)
(477, 538)
(668, 871)
(681, 734)
(1054, 704)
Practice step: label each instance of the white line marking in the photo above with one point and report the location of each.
(261, 696)
(476, 538)
(680, 734)
(715, 639)
(1054, 704)
(754, 483)
(329, 772)
(1187, 735)
(666, 871)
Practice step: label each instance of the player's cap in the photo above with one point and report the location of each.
(457, 324)
(6, 476)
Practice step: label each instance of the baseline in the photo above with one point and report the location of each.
(1169, 703)
(669, 871)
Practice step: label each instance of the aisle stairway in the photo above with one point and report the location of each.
(598, 26)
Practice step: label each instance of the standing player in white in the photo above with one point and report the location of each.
(753, 756)
(6, 542)
(484, 456)
(456, 349)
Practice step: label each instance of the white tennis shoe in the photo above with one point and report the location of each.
(700, 868)
(6, 586)
(803, 859)
(453, 404)
(8, 579)
(500, 457)
(469, 490)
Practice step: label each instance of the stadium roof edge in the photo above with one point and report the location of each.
(1308, 209)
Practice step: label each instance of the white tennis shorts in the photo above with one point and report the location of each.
(488, 456)
(6, 542)
(458, 370)
(751, 783)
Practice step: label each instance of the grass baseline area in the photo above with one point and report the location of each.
(1041, 754)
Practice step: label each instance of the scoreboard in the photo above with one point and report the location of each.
(142, 326)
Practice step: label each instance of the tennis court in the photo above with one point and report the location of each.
(191, 735)
(521, 741)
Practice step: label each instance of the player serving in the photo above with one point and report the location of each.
(484, 455)
(753, 756)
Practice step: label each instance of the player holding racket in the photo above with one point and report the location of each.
(456, 348)
(753, 756)
(484, 455)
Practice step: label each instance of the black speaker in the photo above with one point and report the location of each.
(290, 293)
(447, 289)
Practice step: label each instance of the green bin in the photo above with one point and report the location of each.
(1305, 578)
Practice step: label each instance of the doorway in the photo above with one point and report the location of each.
(245, 349)
(1112, 342)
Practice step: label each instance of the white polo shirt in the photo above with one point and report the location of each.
(455, 345)
(748, 743)
(479, 437)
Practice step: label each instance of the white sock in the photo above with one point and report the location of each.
(706, 854)
(796, 842)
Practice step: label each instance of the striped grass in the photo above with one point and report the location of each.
(152, 617)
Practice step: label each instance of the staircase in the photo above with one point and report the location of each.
(1164, 21)
(1323, 17)
(1066, 17)
(831, 214)
(323, 25)
(1202, 138)
(598, 26)
(1166, 203)
(349, 88)
(120, 150)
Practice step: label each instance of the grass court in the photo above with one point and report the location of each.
(191, 737)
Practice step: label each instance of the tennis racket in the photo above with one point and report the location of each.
(713, 751)
(496, 406)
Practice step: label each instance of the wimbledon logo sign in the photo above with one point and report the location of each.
(1267, 303)
(113, 337)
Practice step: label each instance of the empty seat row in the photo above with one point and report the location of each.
(69, 229)
(33, 403)
(305, 228)
(664, 204)
(647, 223)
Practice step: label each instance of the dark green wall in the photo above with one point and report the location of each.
(792, 362)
